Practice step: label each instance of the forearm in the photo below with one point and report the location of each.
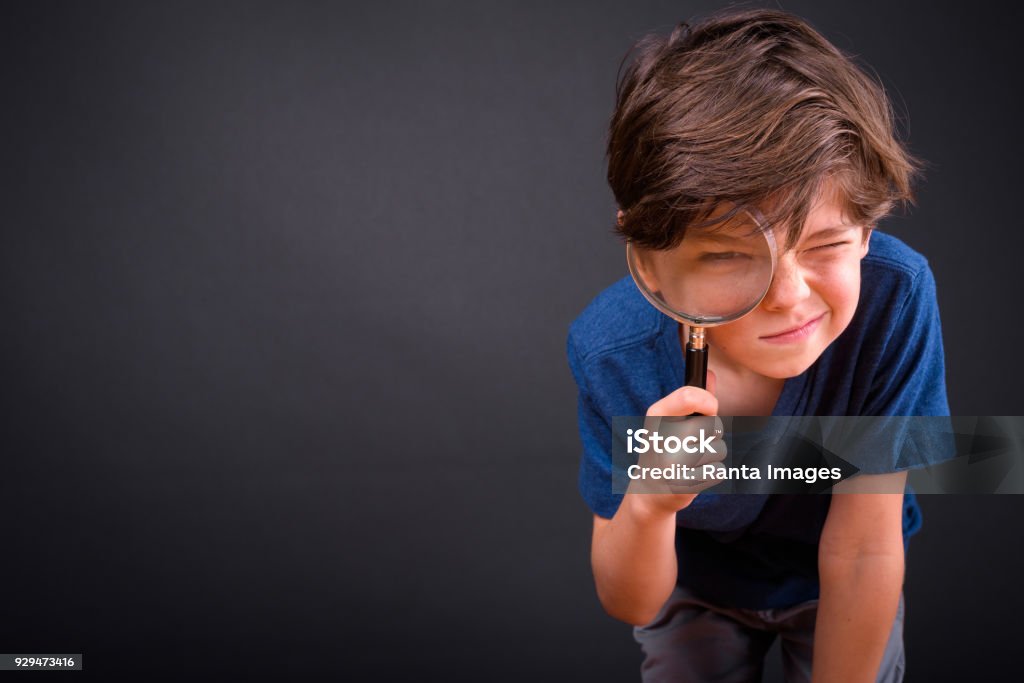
(856, 611)
(634, 560)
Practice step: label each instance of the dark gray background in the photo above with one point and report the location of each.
(285, 292)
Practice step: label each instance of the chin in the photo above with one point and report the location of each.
(788, 368)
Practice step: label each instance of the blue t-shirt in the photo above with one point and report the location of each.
(747, 550)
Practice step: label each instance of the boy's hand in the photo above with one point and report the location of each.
(668, 496)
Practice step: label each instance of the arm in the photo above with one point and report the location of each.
(860, 562)
(633, 557)
(633, 554)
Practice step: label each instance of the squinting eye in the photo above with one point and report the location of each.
(829, 246)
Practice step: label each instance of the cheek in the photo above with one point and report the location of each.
(841, 292)
(737, 335)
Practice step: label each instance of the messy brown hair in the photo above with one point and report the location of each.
(752, 107)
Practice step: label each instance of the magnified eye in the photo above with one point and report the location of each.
(722, 256)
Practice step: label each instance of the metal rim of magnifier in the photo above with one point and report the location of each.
(709, 321)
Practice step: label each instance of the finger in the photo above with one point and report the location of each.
(712, 382)
(685, 401)
(719, 455)
(712, 479)
(695, 486)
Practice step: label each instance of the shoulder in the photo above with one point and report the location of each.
(895, 339)
(618, 317)
(893, 276)
(892, 260)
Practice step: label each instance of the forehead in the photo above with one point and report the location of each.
(826, 213)
(827, 209)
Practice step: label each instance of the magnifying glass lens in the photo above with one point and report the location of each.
(711, 277)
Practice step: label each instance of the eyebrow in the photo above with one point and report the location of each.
(829, 232)
(725, 233)
(716, 238)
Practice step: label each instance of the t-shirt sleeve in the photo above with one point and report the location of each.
(595, 476)
(911, 375)
(910, 380)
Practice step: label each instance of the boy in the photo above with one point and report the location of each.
(755, 110)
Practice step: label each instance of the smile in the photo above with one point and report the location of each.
(796, 333)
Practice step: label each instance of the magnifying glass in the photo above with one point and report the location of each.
(712, 277)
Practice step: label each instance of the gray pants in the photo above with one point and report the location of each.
(695, 641)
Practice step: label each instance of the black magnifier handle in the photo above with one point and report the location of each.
(696, 360)
(696, 367)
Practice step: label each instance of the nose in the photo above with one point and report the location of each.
(789, 285)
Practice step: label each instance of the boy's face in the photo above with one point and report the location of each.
(811, 301)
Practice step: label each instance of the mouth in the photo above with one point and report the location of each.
(801, 331)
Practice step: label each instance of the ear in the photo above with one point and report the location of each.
(618, 218)
(866, 243)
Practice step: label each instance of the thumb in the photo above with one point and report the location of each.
(684, 401)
